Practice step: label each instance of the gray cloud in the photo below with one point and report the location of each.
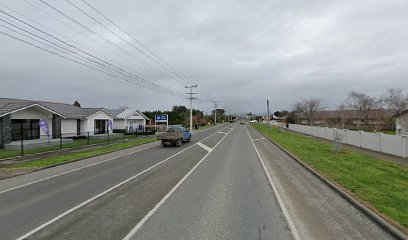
(235, 51)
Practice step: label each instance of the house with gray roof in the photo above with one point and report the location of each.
(128, 120)
(30, 119)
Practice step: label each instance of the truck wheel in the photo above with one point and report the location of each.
(179, 142)
(163, 143)
(189, 139)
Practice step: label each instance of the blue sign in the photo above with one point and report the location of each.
(44, 126)
(161, 118)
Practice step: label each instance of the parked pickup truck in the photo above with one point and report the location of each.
(174, 134)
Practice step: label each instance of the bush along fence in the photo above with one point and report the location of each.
(28, 144)
(385, 143)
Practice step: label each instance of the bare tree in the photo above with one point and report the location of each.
(309, 107)
(343, 115)
(394, 99)
(362, 103)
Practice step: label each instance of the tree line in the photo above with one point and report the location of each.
(394, 100)
(180, 115)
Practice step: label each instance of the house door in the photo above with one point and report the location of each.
(100, 126)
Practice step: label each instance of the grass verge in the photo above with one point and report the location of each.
(380, 184)
(80, 155)
(9, 153)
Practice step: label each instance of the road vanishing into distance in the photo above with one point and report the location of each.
(228, 183)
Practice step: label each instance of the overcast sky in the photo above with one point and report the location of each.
(235, 50)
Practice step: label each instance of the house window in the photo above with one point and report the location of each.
(100, 126)
(24, 129)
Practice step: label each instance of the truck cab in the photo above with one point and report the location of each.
(175, 134)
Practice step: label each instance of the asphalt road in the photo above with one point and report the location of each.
(215, 187)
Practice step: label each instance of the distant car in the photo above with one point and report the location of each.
(242, 122)
(253, 121)
(176, 135)
(231, 121)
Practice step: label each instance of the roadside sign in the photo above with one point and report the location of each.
(162, 118)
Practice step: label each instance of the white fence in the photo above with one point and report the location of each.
(391, 144)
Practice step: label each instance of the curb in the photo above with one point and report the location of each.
(368, 212)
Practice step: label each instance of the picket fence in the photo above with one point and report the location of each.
(385, 143)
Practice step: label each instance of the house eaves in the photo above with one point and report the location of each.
(22, 106)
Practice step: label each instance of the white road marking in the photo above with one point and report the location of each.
(105, 192)
(259, 139)
(292, 226)
(222, 132)
(204, 146)
(73, 170)
(76, 169)
(150, 214)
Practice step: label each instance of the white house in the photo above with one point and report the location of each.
(28, 119)
(129, 120)
(401, 123)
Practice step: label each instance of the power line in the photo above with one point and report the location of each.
(59, 34)
(114, 33)
(67, 58)
(92, 59)
(79, 32)
(139, 43)
(107, 41)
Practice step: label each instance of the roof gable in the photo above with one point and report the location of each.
(127, 113)
(13, 107)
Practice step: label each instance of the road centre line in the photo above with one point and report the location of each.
(79, 168)
(204, 146)
(292, 226)
(104, 192)
(259, 139)
(222, 132)
(163, 200)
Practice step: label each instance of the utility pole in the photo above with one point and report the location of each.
(269, 116)
(215, 113)
(191, 98)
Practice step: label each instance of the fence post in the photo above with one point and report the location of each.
(345, 134)
(60, 140)
(22, 147)
(360, 139)
(380, 141)
(327, 133)
(87, 138)
(405, 146)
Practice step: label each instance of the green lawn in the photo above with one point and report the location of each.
(76, 143)
(76, 156)
(381, 184)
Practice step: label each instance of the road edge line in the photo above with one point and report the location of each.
(292, 226)
(167, 196)
(80, 168)
(377, 219)
(72, 170)
(23, 237)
